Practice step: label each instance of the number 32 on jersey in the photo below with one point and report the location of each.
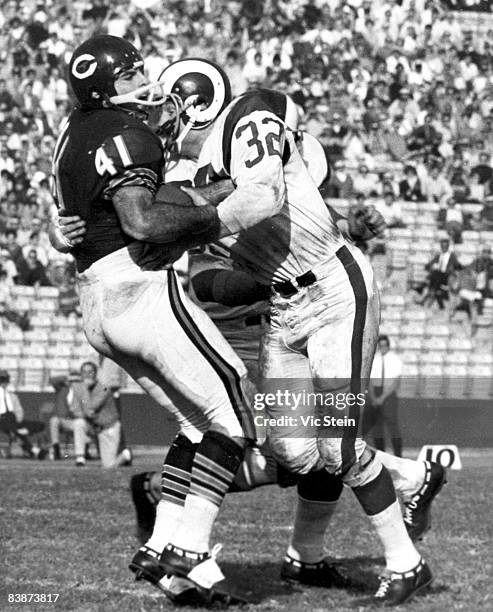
(264, 137)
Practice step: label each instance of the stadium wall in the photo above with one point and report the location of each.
(463, 422)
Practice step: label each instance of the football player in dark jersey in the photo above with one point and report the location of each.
(107, 169)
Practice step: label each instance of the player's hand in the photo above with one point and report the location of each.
(72, 229)
(196, 196)
(365, 223)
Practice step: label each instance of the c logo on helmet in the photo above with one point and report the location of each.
(84, 66)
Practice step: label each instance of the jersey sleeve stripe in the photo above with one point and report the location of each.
(137, 177)
(121, 147)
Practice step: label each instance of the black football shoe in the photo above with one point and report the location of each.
(211, 587)
(417, 511)
(145, 505)
(396, 588)
(325, 573)
(146, 566)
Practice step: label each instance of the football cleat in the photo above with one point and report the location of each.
(396, 588)
(145, 506)
(325, 573)
(417, 511)
(211, 587)
(146, 566)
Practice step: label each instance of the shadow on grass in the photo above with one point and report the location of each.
(261, 581)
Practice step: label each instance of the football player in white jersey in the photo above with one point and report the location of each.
(324, 308)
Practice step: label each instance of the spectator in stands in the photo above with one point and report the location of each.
(366, 182)
(382, 409)
(483, 268)
(425, 136)
(436, 187)
(458, 178)
(98, 407)
(410, 187)
(441, 266)
(34, 244)
(32, 272)
(7, 310)
(485, 221)
(340, 184)
(13, 423)
(391, 210)
(483, 169)
(68, 298)
(11, 245)
(451, 219)
(8, 266)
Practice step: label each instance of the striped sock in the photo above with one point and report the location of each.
(215, 464)
(175, 484)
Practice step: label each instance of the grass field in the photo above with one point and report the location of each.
(70, 531)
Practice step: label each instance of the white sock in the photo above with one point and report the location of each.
(195, 532)
(168, 518)
(400, 554)
(311, 522)
(407, 475)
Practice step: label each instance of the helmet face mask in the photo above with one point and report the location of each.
(196, 91)
(102, 64)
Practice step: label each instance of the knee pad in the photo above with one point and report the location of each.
(364, 470)
(320, 486)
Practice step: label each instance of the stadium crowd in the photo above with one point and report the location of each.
(399, 94)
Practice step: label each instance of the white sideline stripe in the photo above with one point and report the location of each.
(122, 150)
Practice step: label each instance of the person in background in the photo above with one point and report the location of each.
(68, 418)
(485, 221)
(439, 269)
(391, 210)
(410, 187)
(483, 268)
(452, 220)
(382, 410)
(13, 423)
(97, 404)
(32, 273)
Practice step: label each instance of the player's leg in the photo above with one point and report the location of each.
(188, 358)
(109, 441)
(54, 428)
(342, 351)
(418, 483)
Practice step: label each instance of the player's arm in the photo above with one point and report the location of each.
(258, 143)
(228, 287)
(131, 164)
(145, 218)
